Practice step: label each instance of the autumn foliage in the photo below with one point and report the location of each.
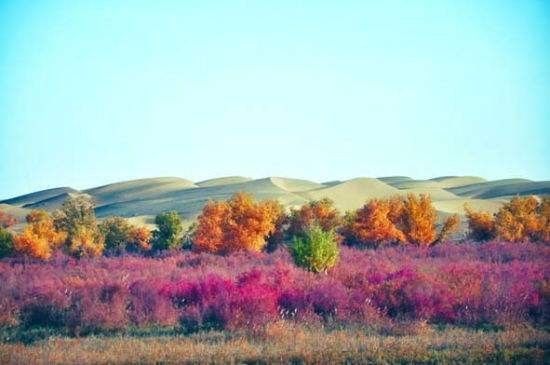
(520, 219)
(77, 217)
(40, 238)
(6, 220)
(321, 213)
(237, 224)
(397, 220)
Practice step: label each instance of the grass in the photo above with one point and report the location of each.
(286, 342)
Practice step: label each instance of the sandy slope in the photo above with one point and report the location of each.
(142, 189)
(143, 199)
(38, 196)
(353, 193)
(223, 181)
(502, 188)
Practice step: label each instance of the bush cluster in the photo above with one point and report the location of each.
(496, 283)
(520, 219)
(313, 232)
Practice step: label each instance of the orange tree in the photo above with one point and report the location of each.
(520, 219)
(321, 213)
(240, 223)
(40, 238)
(397, 220)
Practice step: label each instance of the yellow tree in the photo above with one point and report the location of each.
(238, 224)
(40, 238)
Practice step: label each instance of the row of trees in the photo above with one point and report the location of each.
(75, 229)
(521, 219)
(241, 223)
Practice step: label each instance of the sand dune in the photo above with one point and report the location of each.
(353, 193)
(503, 188)
(444, 182)
(456, 206)
(38, 196)
(295, 185)
(433, 192)
(189, 202)
(52, 203)
(142, 199)
(138, 189)
(223, 181)
(454, 181)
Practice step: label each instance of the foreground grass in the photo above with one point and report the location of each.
(288, 343)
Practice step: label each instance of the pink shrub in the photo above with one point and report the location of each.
(449, 283)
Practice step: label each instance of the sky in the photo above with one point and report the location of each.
(93, 92)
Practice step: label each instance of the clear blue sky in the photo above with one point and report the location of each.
(93, 92)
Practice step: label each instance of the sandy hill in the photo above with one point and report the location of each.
(143, 189)
(142, 199)
(503, 188)
(352, 194)
(190, 201)
(444, 182)
(52, 203)
(454, 181)
(223, 181)
(38, 196)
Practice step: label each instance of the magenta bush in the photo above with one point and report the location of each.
(450, 283)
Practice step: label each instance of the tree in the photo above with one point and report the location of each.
(169, 232)
(522, 218)
(396, 220)
(77, 217)
(481, 225)
(86, 242)
(140, 239)
(450, 226)
(316, 249)
(40, 238)
(6, 243)
(543, 211)
(371, 225)
(319, 212)
(240, 223)
(419, 219)
(7, 220)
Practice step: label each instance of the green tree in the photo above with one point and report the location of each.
(169, 232)
(316, 250)
(77, 217)
(6, 243)
(117, 232)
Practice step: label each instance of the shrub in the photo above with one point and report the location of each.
(317, 250)
(481, 225)
(519, 219)
(74, 213)
(40, 238)
(237, 224)
(321, 213)
(169, 232)
(77, 217)
(140, 239)
(6, 243)
(419, 218)
(371, 225)
(121, 236)
(116, 231)
(396, 220)
(6, 220)
(86, 242)
(450, 226)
